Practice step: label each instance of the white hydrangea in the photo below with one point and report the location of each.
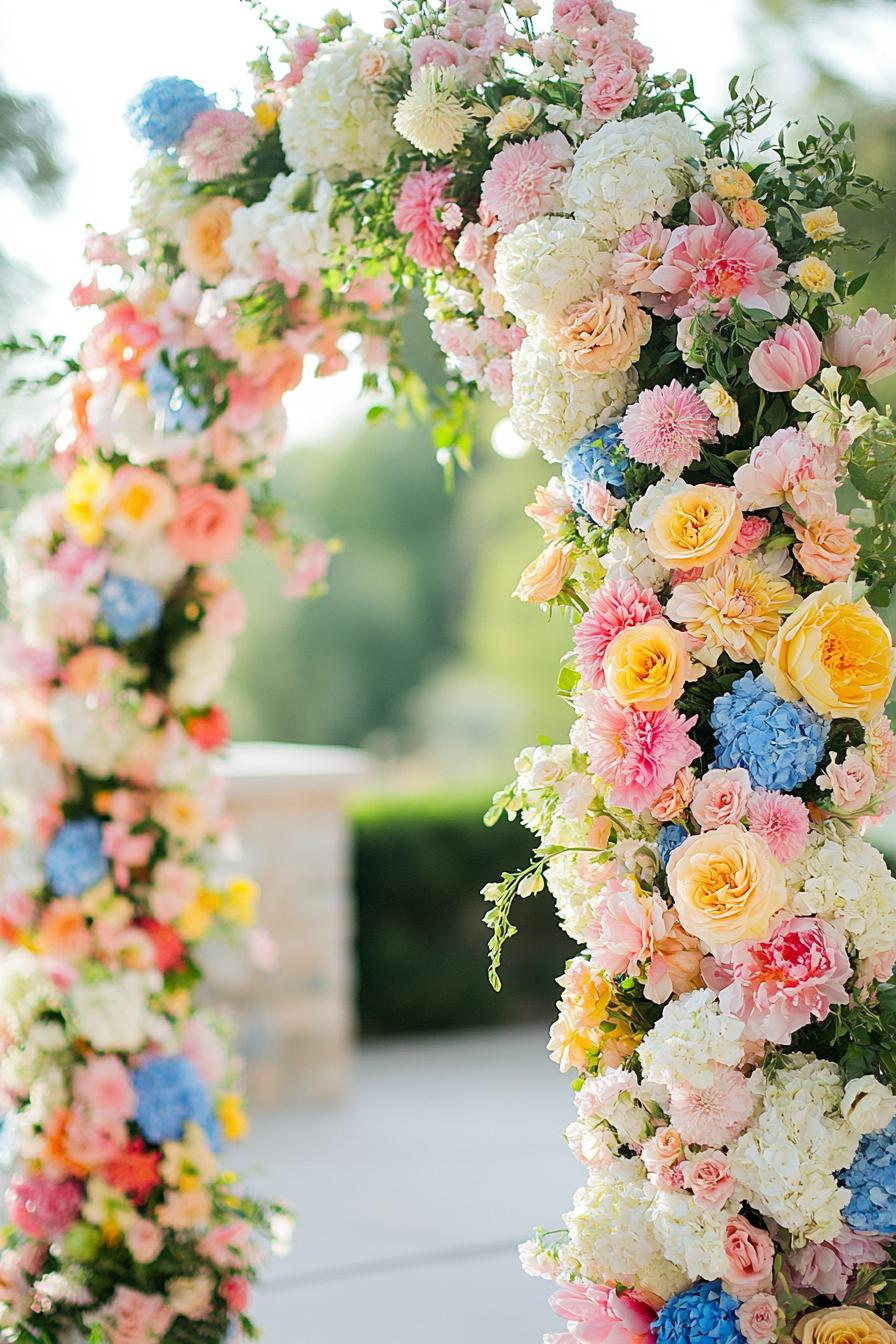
(691, 1236)
(151, 560)
(302, 239)
(199, 665)
(546, 264)
(553, 407)
(25, 991)
(89, 732)
(334, 121)
(576, 882)
(629, 557)
(113, 1013)
(630, 170)
(785, 1161)
(847, 881)
(691, 1037)
(612, 1233)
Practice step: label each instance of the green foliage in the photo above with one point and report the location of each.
(872, 470)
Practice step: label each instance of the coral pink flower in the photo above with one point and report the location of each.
(209, 524)
(418, 211)
(524, 179)
(600, 1315)
(787, 360)
(750, 1255)
(788, 467)
(712, 1115)
(216, 143)
(638, 253)
(828, 1268)
(674, 798)
(104, 1085)
(615, 606)
(720, 798)
(753, 531)
(781, 820)
(851, 782)
(636, 752)
(779, 985)
(666, 427)
(610, 88)
(235, 1292)
(708, 265)
(868, 344)
(828, 547)
(42, 1208)
(709, 1179)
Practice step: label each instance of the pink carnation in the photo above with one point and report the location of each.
(601, 1314)
(828, 1268)
(868, 344)
(784, 983)
(418, 211)
(666, 426)
(613, 607)
(788, 467)
(712, 1115)
(787, 360)
(750, 1255)
(610, 88)
(708, 265)
(216, 144)
(42, 1208)
(781, 820)
(636, 753)
(720, 798)
(524, 179)
(753, 531)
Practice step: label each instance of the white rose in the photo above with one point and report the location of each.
(867, 1105)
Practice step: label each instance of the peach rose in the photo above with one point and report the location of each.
(827, 548)
(835, 653)
(750, 214)
(648, 665)
(726, 885)
(674, 798)
(546, 575)
(208, 525)
(750, 1255)
(695, 526)
(603, 334)
(844, 1325)
(203, 250)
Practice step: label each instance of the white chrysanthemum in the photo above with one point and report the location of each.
(786, 1160)
(848, 882)
(631, 170)
(546, 264)
(692, 1237)
(612, 1235)
(629, 557)
(553, 407)
(199, 666)
(334, 122)
(430, 115)
(691, 1037)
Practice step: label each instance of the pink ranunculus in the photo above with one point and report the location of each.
(788, 467)
(708, 1177)
(788, 360)
(750, 1255)
(228, 1246)
(758, 1318)
(790, 979)
(524, 179)
(828, 1268)
(209, 524)
(613, 607)
(851, 782)
(498, 379)
(602, 1315)
(781, 820)
(868, 344)
(827, 546)
(707, 266)
(609, 88)
(712, 1115)
(720, 798)
(418, 212)
(637, 753)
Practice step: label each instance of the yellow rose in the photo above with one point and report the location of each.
(587, 1026)
(203, 251)
(835, 653)
(86, 498)
(814, 275)
(823, 224)
(732, 183)
(844, 1325)
(695, 527)
(546, 575)
(647, 665)
(726, 885)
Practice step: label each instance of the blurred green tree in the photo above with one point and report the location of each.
(29, 161)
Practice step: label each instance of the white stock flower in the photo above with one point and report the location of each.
(199, 665)
(544, 265)
(848, 882)
(691, 1037)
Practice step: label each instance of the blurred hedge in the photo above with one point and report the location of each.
(419, 867)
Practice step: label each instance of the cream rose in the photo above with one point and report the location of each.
(546, 575)
(843, 1325)
(603, 334)
(726, 885)
(695, 526)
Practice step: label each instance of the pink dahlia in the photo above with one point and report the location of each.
(784, 983)
(524, 180)
(708, 265)
(216, 144)
(613, 607)
(636, 752)
(712, 1115)
(781, 820)
(602, 1314)
(418, 211)
(787, 360)
(666, 427)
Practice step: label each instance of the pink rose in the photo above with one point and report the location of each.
(851, 781)
(720, 798)
(787, 360)
(709, 1178)
(750, 1254)
(828, 547)
(758, 1318)
(612, 87)
(869, 345)
(665, 1149)
(209, 524)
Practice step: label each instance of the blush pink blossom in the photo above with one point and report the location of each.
(715, 1114)
(868, 344)
(758, 1318)
(436, 51)
(709, 1179)
(615, 606)
(524, 179)
(788, 467)
(602, 1315)
(498, 379)
(600, 504)
(144, 1240)
(418, 212)
(664, 1149)
(828, 1268)
(302, 46)
(784, 983)
(781, 820)
(851, 782)
(42, 1208)
(708, 265)
(666, 427)
(638, 253)
(307, 569)
(228, 1246)
(225, 613)
(788, 360)
(131, 1317)
(637, 753)
(720, 798)
(610, 87)
(573, 17)
(753, 531)
(216, 143)
(631, 933)
(750, 1255)
(104, 1085)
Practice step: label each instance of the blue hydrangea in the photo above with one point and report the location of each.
(164, 110)
(130, 608)
(600, 457)
(779, 744)
(872, 1180)
(167, 396)
(669, 838)
(703, 1314)
(171, 1095)
(74, 860)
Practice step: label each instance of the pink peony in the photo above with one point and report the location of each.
(788, 467)
(601, 1315)
(216, 144)
(418, 211)
(851, 782)
(758, 1318)
(720, 798)
(787, 360)
(712, 1115)
(610, 88)
(666, 427)
(828, 1268)
(827, 547)
(524, 179)
(209, 524)
(781, 820)
(785, 982)
(631, 933)
(709, 1179)
(868, 344)
(42, 1208)
(750, 1255)
(615, 606)
(636, 752)
(708, 265)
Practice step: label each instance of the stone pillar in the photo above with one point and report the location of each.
(296, 1022)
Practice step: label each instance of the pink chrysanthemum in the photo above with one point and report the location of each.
(613, 607)
(524, 180)
(712, 1115)
(667, 426)
(636, 753)
(418, 211)
(781, 820)
(216, 144)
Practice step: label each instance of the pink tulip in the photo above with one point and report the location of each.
(787, 360)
